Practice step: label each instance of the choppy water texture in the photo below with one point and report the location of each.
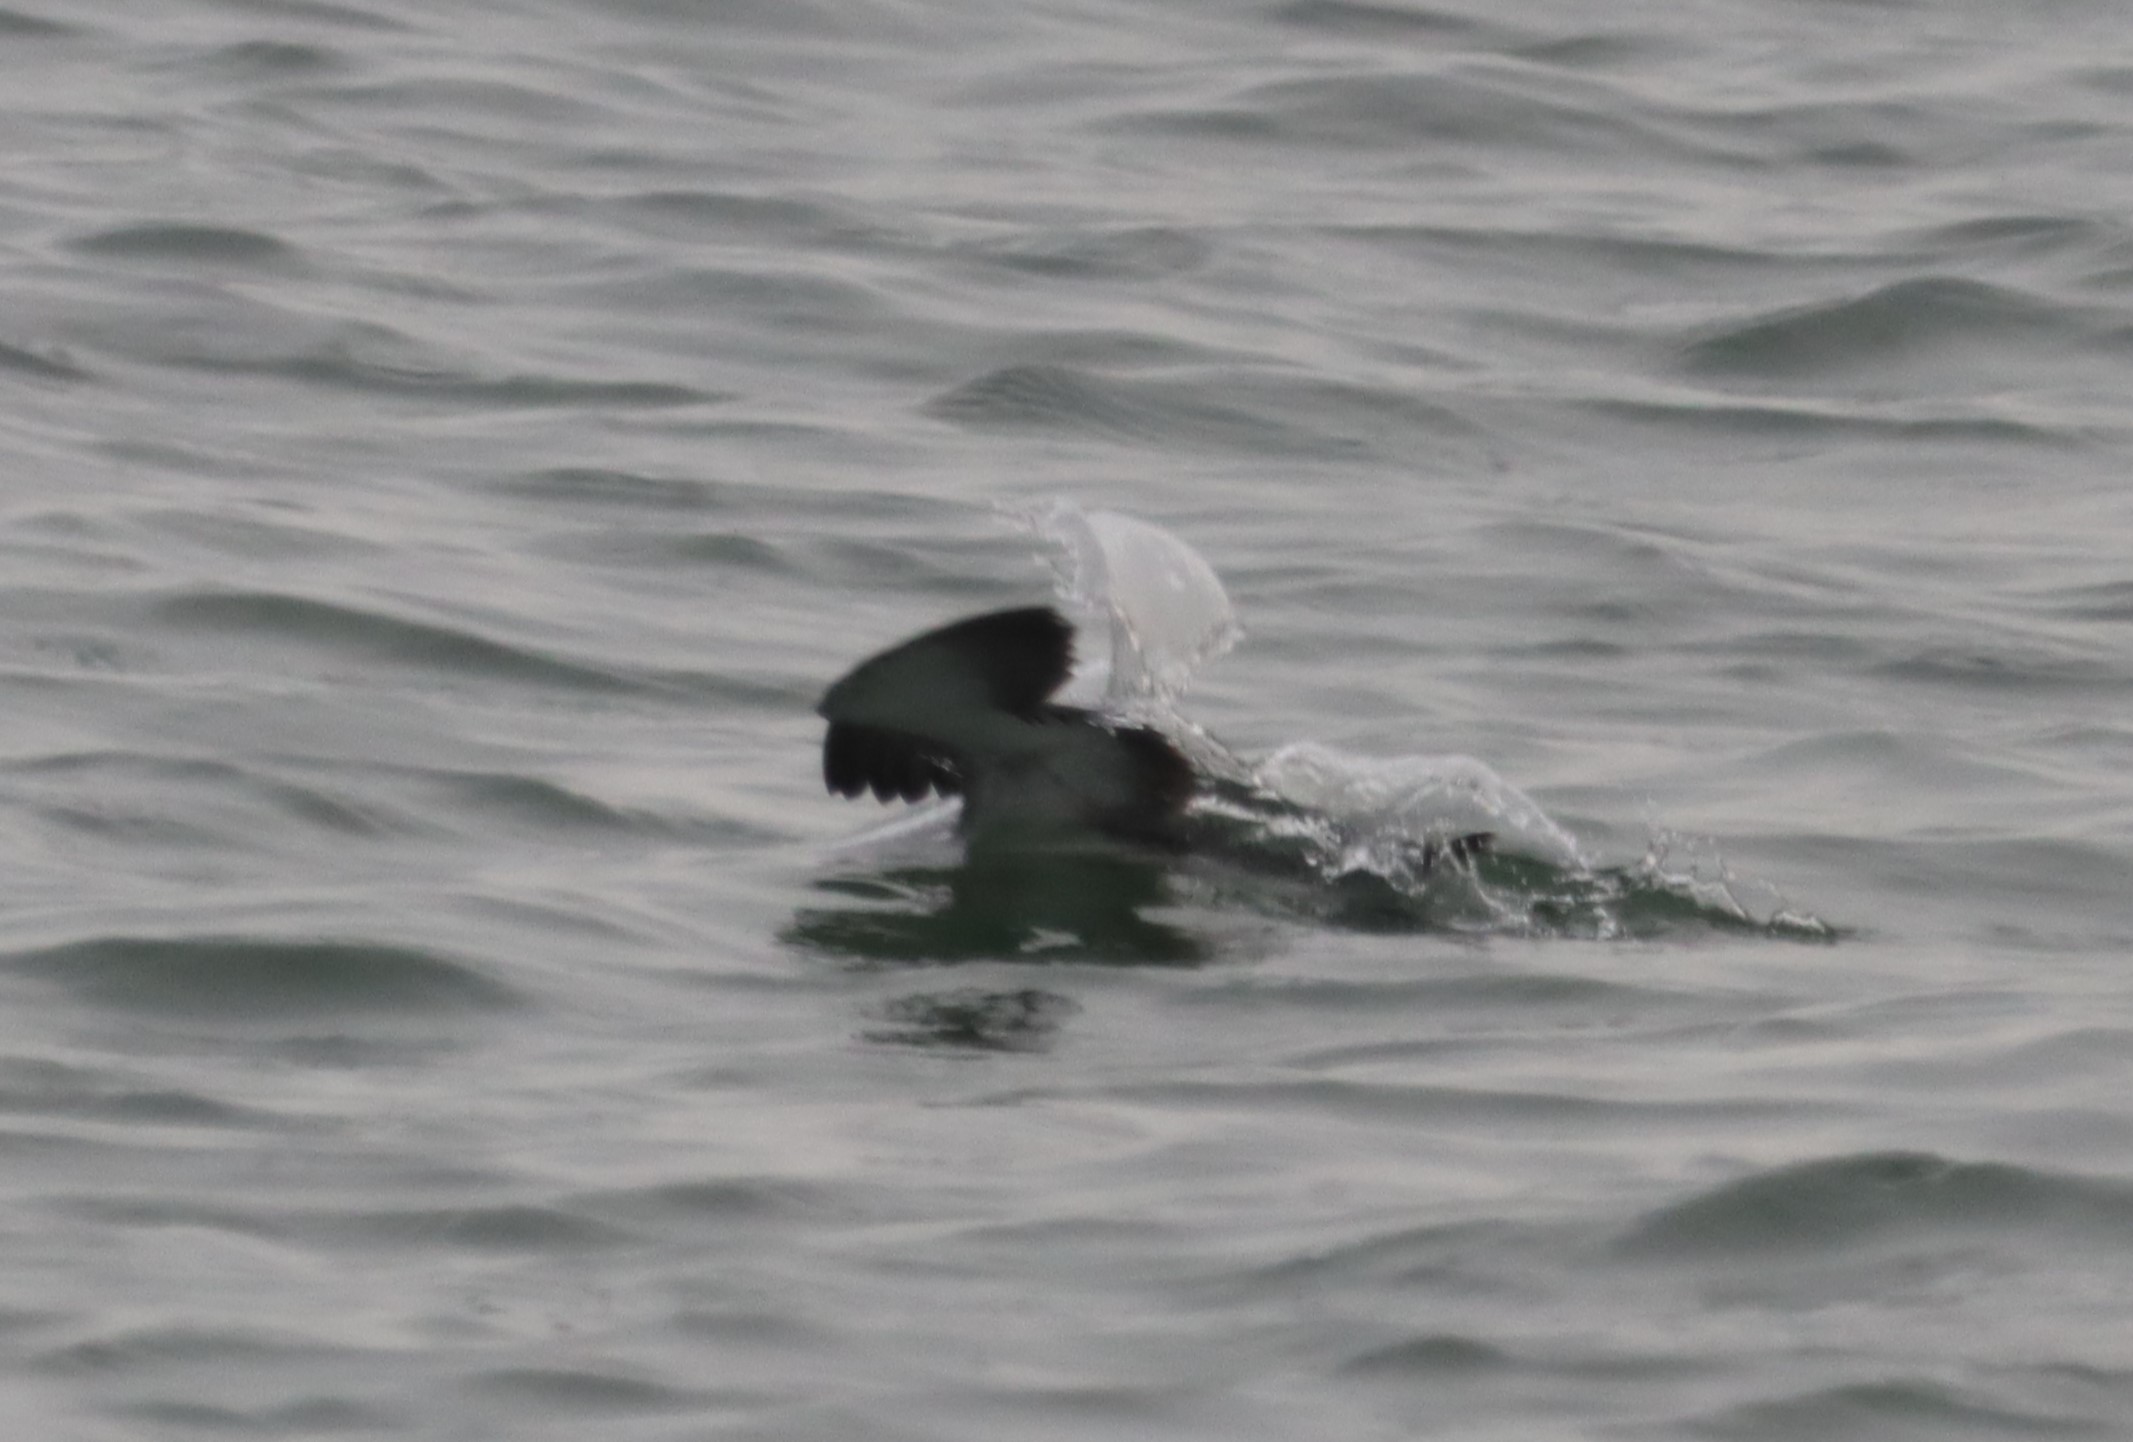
(448, 448)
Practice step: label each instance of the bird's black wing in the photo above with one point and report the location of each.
(916, 718)
(889, 763)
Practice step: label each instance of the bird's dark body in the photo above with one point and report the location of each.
(966, 710)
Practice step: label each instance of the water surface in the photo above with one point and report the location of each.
(447, 451)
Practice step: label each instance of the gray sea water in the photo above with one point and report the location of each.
(445, 451)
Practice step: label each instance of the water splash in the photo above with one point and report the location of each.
(1417, 798)
(1365, 843)
(1161, 605)
(1308, 832)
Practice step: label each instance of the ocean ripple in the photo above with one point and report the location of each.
(251, 977)
(1843, 1202)
(1938, 320)
(381, 636)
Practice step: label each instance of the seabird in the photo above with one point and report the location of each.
(966, 710)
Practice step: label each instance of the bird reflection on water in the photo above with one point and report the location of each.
(1050, 908)
(1035, 906)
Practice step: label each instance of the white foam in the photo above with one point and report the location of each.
(1416, 798)
(1158, 601)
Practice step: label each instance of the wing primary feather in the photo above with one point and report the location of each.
(841, 771)
(890, 764)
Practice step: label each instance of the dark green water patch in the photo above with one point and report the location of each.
(498, 1228)
(263, 59)
(1112, 407)
(1439, 1356)
(44, 365)
(205, 245)
(1896, 1410)
(32, 1089)
(1128, 253)
(1037, 908)
(2011, 668)
(606, 489)
(306, 1417)
(377, 361)
(1251, 410)
(1838, 1202)
(17, 25)
(717, 1202)
(152, 1348)
(374, 634)
(577, 1390)
(1911, 319)
(253, 977)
